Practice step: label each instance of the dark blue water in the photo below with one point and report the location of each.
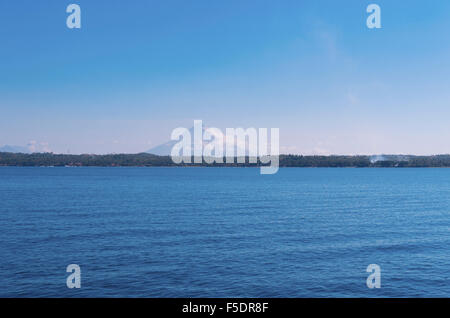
(224, 232)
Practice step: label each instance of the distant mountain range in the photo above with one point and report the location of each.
(165, 149)
(32, 147)
(14, 149)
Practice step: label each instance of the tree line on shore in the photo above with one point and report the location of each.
(150, 160)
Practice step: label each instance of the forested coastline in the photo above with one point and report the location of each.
(149, 160)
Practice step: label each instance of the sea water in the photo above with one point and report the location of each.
(224, 232)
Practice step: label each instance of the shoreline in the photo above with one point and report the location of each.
(284, 161)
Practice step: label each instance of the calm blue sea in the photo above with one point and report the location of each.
(224, 232)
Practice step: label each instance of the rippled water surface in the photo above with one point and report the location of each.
(224, 232)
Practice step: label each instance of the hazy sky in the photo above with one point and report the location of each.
(138, 69)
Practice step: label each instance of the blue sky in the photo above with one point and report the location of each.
(138, 69)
